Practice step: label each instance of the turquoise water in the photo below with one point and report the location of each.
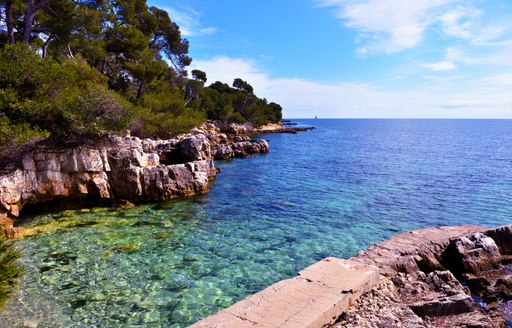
(329, 192)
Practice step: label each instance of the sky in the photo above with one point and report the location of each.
(357, 58)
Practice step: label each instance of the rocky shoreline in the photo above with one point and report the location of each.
(437, 277)
(434, 279)
(126, 169)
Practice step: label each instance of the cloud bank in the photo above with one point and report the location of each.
(489, 97)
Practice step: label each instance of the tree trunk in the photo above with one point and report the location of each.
(140, 89)
(30, 15)
(45, 46)
(8, 21)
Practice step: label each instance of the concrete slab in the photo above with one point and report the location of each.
(314, 298)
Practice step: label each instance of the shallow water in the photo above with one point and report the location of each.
(329, 192)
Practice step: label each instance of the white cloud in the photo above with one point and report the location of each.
(459, 22)
(451, 58)
(388, 26)
(189, 22)
(488, 97)
(391, 26)
(445, 65)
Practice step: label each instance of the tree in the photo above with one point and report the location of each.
(8, 20)
(33, 7)
(167, 39)
(199, 75)
(242, 86)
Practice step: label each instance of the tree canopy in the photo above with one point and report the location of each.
(70, 68)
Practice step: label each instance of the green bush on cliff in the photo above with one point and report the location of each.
(66, 100)
(10, 271)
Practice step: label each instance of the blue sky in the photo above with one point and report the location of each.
(358, 58)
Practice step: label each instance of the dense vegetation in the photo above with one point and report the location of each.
(71, 69)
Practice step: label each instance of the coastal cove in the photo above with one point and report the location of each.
(332, 191)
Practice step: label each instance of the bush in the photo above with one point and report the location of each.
(12, 136)
(165, 125)
(91, 110)
(10, 271)
(237, 118)
(66, 100)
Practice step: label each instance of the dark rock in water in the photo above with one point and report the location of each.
(45, 268)
(142, 224)
(127, 248)
(124, 204)
(477, 284)
(502, 289)
(78, 303)
(161, 234)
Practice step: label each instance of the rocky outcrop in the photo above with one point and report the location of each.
(126, 169)
(232, 140)
(435, 279)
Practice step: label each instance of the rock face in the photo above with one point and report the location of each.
(475, 254)
(232, 140)
(129, 169)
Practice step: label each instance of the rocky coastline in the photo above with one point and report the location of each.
(447, 277)
(437, 277)
(126, 169)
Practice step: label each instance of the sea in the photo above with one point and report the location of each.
(332, 191)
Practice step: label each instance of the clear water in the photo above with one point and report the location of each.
(329, 192)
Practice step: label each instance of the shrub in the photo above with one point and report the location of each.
(66, 100)
(10, 271)
(149, 124)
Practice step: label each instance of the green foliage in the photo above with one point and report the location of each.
(237, 118)
(238, 104)
(10, 271)
(162, 113)
(72, 69)
(91, 109)
(165, 124)
(14, 136)
(66, 100)
(199, 75)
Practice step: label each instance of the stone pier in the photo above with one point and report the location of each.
(315, 297)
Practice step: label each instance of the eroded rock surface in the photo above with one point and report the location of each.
(418, 290)
(129, 168)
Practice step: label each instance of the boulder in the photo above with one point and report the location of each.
(473, 254)
(503, 238)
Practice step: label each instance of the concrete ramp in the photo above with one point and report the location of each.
(314, 298)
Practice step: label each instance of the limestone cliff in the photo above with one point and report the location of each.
(127, 168)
